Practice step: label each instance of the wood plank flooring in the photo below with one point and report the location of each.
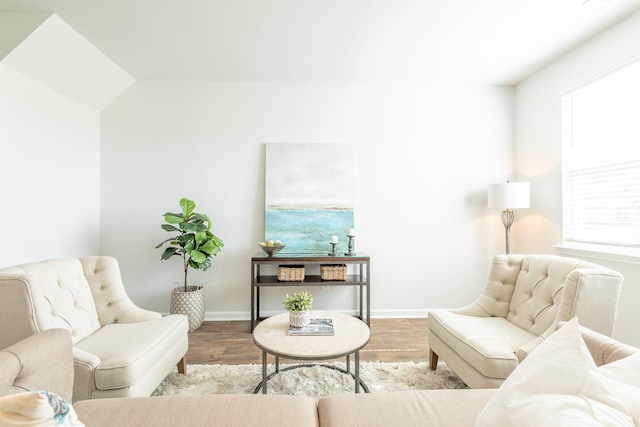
(230, 342)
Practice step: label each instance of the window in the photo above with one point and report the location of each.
(601, 160)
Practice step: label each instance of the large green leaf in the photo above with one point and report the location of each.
(204, 266)
(197, 256)
(169, 227)
(201, 238)
(202, 218)
(193, 226)
(173, 218)
(170, 239)
(216, 240)
(184, 239)
(187, 206)
(210, 247)
(169, 252)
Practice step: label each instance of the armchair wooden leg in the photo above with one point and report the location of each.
(433, 360)
(182, 366)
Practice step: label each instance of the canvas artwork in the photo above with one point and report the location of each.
(308, 195)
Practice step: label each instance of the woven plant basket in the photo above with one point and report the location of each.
(190, 303)
(298, 319)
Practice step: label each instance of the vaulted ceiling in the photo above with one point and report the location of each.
(334, 41)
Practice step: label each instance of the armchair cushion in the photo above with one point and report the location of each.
(486, 343)
(129, 350)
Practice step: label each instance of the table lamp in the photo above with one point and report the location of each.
(509, 196)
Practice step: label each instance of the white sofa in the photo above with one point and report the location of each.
(525, 296)
(30, 364)
(119, 349)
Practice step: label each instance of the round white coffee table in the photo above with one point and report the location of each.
(350, 335)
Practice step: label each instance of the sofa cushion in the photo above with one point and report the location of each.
(559, 384)
(128, 350)
(485, 343)
(215, 410)
(430, 408)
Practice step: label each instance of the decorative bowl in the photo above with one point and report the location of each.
(271, 250)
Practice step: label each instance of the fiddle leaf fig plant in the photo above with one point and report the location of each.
(194, 241)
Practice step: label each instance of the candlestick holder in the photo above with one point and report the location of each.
(333, 250)
(352, 246)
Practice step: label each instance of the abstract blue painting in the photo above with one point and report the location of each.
(308, 195)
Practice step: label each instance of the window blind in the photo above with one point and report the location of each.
(601, 160)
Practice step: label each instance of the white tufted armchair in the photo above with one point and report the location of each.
(119, 349)
(525, 297)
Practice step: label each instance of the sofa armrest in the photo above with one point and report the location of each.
(42, 361)
(591, 295)
(84, 364)
(9, 371)
(605, 349)
(526, 349)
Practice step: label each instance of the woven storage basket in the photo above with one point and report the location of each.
(291, 273)
(333, 272)
(189, 303)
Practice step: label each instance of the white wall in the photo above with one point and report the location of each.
(539, 144)
(423, 159)
(49, 179)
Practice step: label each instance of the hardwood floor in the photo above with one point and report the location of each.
(230, 342)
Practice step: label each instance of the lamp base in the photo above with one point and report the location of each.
(507, 217)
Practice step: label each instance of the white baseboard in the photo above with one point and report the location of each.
(375, 314)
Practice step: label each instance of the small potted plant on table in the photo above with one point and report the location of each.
(195, 244)
(298, 305)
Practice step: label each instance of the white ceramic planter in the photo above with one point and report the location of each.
(298, 319)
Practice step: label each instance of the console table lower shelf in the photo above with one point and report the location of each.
(350, 335)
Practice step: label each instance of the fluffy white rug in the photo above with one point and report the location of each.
(311, 381)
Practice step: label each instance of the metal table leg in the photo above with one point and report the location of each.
(264, 372)
(357, 377)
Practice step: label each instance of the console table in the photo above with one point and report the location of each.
(360, 278)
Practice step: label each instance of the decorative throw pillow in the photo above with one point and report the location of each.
(559, 384)
(35, 409)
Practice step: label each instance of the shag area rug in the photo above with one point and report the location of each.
(316, 381)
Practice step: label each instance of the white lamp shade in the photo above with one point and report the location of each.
(510, 195)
